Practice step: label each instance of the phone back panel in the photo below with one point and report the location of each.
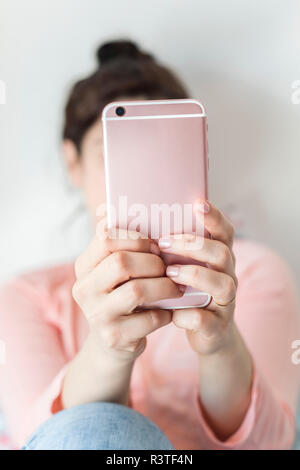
(155, 154)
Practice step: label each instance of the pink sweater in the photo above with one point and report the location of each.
(44, 329)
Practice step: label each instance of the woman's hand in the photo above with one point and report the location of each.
(225, 364)
(115, 277)
(210, 328)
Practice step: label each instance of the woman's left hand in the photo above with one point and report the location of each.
(208, 329)
(225, 364)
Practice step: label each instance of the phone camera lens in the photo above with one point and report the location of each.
(120, 111)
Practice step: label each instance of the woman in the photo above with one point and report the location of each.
(96, 373)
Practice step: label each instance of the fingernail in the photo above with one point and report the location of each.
(154, 249)
(164, 243)
(202, 207)
(181, 287)
(172, 271)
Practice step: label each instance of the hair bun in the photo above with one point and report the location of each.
(116, 49)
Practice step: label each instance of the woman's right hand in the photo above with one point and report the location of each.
(114, 277)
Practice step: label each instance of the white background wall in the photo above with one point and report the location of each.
(239, 57)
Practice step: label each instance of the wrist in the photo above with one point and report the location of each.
(233, 350)
(96, 376)
(225, 380)
(99, 355)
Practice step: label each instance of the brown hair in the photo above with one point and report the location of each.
(123, 71)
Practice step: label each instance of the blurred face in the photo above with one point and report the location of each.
(86, 169)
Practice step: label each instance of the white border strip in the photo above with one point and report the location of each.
(152, 102)
(106, 171)
(161, 116)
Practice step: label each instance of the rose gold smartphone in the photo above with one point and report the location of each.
(156, 165)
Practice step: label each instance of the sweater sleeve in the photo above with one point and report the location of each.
(35, 358)
(267, 315)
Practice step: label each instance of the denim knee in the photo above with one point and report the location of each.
(96, 426)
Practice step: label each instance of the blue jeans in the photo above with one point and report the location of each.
(98, 426)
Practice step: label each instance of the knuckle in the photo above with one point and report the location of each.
(77, 292)
(228, 288)
(135, 292)
(218, 217)
(77, 266)
(120, 260)
(223, 255)
(155, 319)
(107, 244)
(159, 264)
(111, 335)
(168, 288)
(188, 241)
(194, 274)
(136, 346)
(231, 232)
(196, 321)
(233, 258)
(142, 244)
